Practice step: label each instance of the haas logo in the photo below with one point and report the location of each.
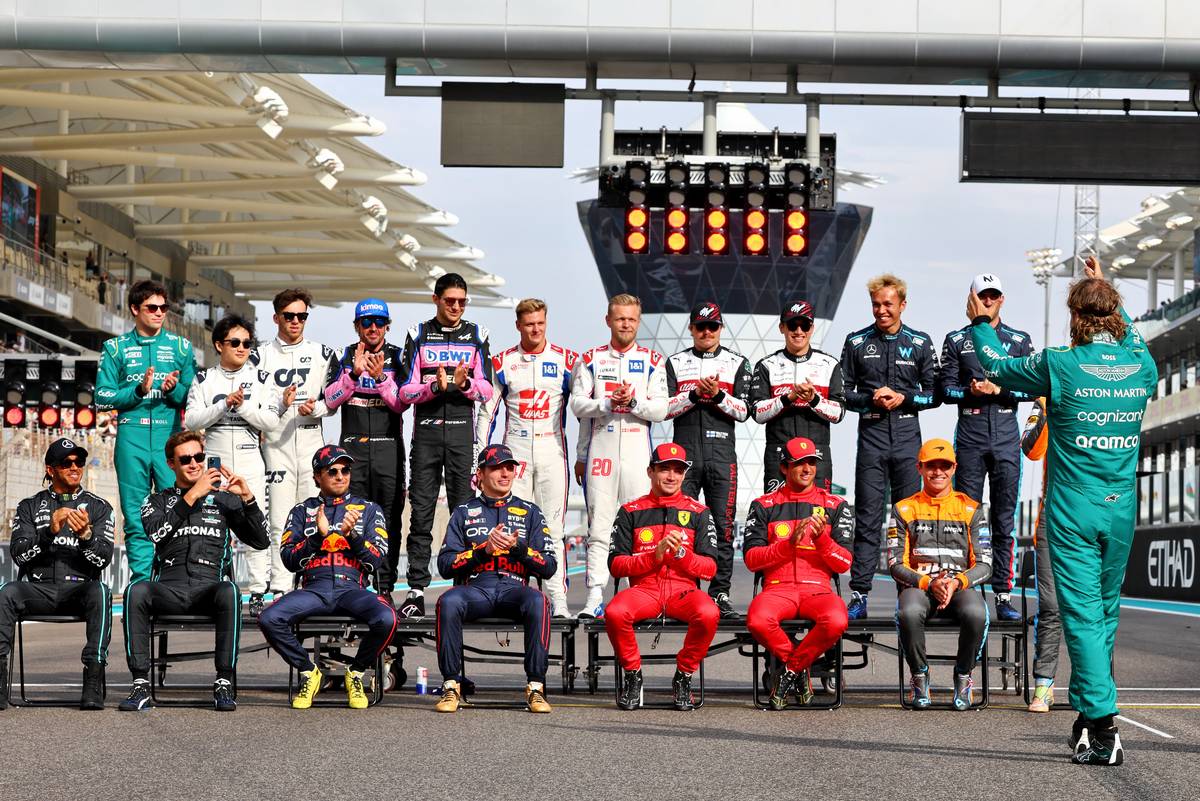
(533, 404)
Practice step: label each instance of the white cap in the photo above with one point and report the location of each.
(986, 281)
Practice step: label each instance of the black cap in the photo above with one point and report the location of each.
(60, 449)
(706, 313)
(495, 455)
(329, 455)
(796, 310)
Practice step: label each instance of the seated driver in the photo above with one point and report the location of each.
(494, 543)
(665, 543)
(939, 549)
(797, 537)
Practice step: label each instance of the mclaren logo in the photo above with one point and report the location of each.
(1111, 372)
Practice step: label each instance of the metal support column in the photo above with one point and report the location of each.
(812, 131)
(608, 113)
(64, 128)
(709, 142)
(1152, 286)
(1178, 274)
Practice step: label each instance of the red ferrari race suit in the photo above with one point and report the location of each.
(796, 576)
(667, 588)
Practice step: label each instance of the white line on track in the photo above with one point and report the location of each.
(1147, 728)
(1158, 689)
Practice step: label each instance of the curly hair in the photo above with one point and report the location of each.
(1095, 306)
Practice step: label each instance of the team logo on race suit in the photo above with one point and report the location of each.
(1110, 372)
(782, 530)
(534, 404)
(334, 543)
(646, 535)
(685, 518)
(549, 370)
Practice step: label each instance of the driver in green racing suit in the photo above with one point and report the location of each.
(1096, 394)
(146, 415)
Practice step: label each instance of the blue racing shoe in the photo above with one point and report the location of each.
(1005, 611)
(920, 689)
(964, 692)
(857, 608)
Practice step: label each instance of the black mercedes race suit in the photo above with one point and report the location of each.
(704, 427)
(987, 440)
(774, 377)
(888, 441)
(373, 433)
(443, 441)
(62, 571)
(192, 564)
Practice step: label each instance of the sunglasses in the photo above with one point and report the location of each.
(710, 327)
(73, 461)
(188, 458)
(337, 472)
(155, 308)
(239, 343)
(455, 302)
(374, 322)
(292, 317)
(804, 324)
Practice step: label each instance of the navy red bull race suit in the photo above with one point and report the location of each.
(495, 585)
(334, 570)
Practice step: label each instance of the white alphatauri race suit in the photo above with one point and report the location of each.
(614, 443)
(534, 389)
(235, 436)
(289, 449)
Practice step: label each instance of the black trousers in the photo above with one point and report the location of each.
(89, 599)
(221, 600)
(967, 606)
(440, 449)
(718, 481)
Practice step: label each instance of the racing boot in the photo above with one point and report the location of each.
(257, 604)
(311, 682)
(413, 607)
(1079, 740)
(964, 692)
(920, 689)
(725, 606)
(593, 607)
(1105, 747)
(783, 687)
(802, 687)
(630, 696)
(1043, 696)
(223, 698)
(3, 682)
(1005, 611)
(354, 690)
(857, 608)
(139, 699)
(681, 685)
(535, 698)
(451, 697)
(93, 686)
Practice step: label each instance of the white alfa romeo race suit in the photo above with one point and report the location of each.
(534, 389)
(614, 442)
(235, 435)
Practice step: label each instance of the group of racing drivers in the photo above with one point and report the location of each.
(261, 408)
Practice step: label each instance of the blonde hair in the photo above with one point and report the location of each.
(888, 280)
(624, 300)
(530, 305)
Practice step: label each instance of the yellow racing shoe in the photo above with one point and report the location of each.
(451, 697)
(354, 690)
(310, 685)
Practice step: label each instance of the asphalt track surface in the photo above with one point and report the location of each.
(587, 749)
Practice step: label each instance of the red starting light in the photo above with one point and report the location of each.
(795, 234)
(637, 235)
(675, 230)
(49, 416)
(14, 417)
(85, 417)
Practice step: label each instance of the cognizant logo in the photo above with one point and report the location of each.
(1107, 443)
(1104, 418)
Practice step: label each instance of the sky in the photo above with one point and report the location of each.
(928, 228)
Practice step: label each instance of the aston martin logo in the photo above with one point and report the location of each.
(1111, 372)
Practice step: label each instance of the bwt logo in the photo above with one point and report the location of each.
(449, 355)
(1171, 563)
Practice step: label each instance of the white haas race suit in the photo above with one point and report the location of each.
(235, 435)
(614, 442)
(289, 449)
(534, 389)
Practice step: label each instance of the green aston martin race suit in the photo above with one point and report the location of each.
(143, 424)
(1096, 395)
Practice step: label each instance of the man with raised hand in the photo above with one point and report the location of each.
(1096, 393)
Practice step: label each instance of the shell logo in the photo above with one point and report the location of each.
(646, 535)
(782, 530)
